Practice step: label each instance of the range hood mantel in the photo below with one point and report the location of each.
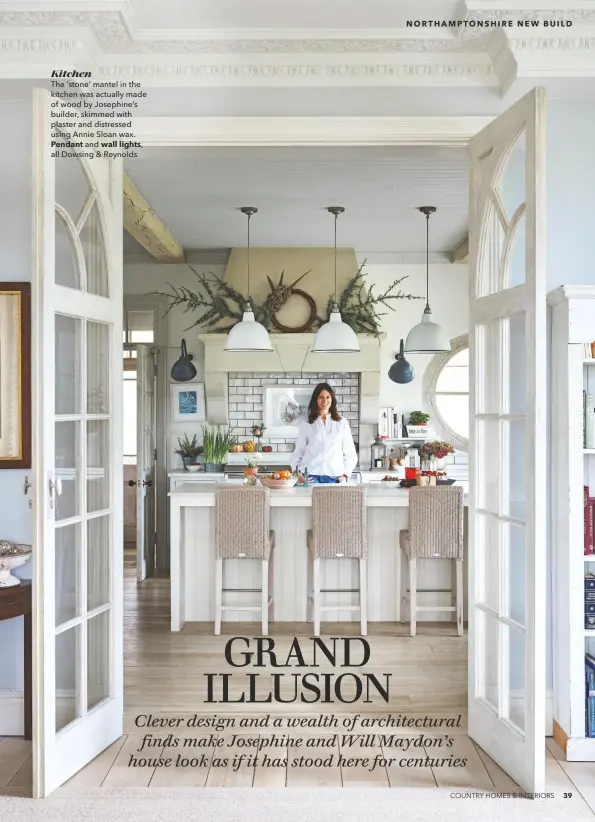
(292, 354)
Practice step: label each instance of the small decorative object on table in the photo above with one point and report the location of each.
(436, 452)
(258, 433)
(12, 555)
(189, 450)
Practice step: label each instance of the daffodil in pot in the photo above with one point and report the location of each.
(216, 446)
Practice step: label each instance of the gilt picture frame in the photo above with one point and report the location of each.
(188, 402)
(15, 375)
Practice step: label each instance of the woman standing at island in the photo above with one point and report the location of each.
(324, 444)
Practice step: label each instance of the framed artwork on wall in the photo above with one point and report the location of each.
(285, 409)
(188, 402)
(15, 375)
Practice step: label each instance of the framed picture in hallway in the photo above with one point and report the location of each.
(188, 402)
(15, 375)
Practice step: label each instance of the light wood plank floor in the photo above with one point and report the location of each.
(164, 677)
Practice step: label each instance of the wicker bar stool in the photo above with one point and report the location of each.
(435, 532)
(242, 532)
(339, 531)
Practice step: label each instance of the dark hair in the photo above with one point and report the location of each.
(313, 407)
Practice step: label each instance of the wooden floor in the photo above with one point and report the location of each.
(164, 677)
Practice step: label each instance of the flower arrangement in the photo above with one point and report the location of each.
(437, 449)
(258, 430)
(252, 460)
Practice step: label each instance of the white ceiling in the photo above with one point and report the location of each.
(198, 194)
(280, 14)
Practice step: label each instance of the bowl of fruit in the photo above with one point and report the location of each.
(389, 481)
(279, 479)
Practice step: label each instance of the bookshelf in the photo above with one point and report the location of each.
(572, 468)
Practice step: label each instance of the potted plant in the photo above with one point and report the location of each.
(189, 450)
(251, 464)
(436, 451)
(419, 418)
(216, 446)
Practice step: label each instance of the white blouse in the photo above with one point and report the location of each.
(325, 448)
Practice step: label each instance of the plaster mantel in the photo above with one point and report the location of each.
(292, 354)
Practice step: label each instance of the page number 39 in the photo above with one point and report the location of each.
(567, 795)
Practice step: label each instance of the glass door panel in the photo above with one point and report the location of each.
(78, 503)
(507, 443)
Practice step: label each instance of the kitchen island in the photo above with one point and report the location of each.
(192, 566)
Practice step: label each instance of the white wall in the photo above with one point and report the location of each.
(15, 265)
(449, 300)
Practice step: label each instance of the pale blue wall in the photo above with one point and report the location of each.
(15, 265)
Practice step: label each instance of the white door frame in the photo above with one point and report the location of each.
(163, 132)
(158, 305)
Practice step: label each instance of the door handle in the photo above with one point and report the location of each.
(27, 485)
(148, 482)
(55, 489)
(131, 483)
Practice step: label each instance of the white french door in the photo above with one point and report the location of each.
(78, 500)
(145, 462)
(507, 515)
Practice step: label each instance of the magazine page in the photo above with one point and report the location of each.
(297, 428)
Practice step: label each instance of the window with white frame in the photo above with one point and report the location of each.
(446, 393)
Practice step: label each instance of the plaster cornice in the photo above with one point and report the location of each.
(105, 36)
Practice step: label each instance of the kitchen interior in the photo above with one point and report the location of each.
(300, 233)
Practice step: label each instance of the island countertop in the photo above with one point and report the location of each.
(377, 496)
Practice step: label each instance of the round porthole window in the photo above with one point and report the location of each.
(446, 393)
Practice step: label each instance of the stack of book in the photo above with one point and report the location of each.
(589, 696)
(589, 351)
(590, 601)
(588, 521)
(588, 420)
(392, 426)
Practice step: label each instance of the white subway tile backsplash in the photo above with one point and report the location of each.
(246, 400)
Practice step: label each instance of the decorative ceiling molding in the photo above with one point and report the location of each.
(418, 70)
(106, 37)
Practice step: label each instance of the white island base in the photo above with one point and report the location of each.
(192, 567)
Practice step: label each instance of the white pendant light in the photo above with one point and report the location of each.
(335, 336)
(248, 335)
(427, 337)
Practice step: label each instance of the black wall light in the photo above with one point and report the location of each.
(401, 370)
(183, 370)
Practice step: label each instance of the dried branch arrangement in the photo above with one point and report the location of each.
(220, 307)
(359, 305)
(216, 301)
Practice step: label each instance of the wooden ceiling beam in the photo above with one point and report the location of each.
(461, 252)
(141, 222)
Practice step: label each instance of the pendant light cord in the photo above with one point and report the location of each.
(427, 262)
(248, 261)
(335, 293)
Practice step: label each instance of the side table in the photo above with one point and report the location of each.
(15, 602)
